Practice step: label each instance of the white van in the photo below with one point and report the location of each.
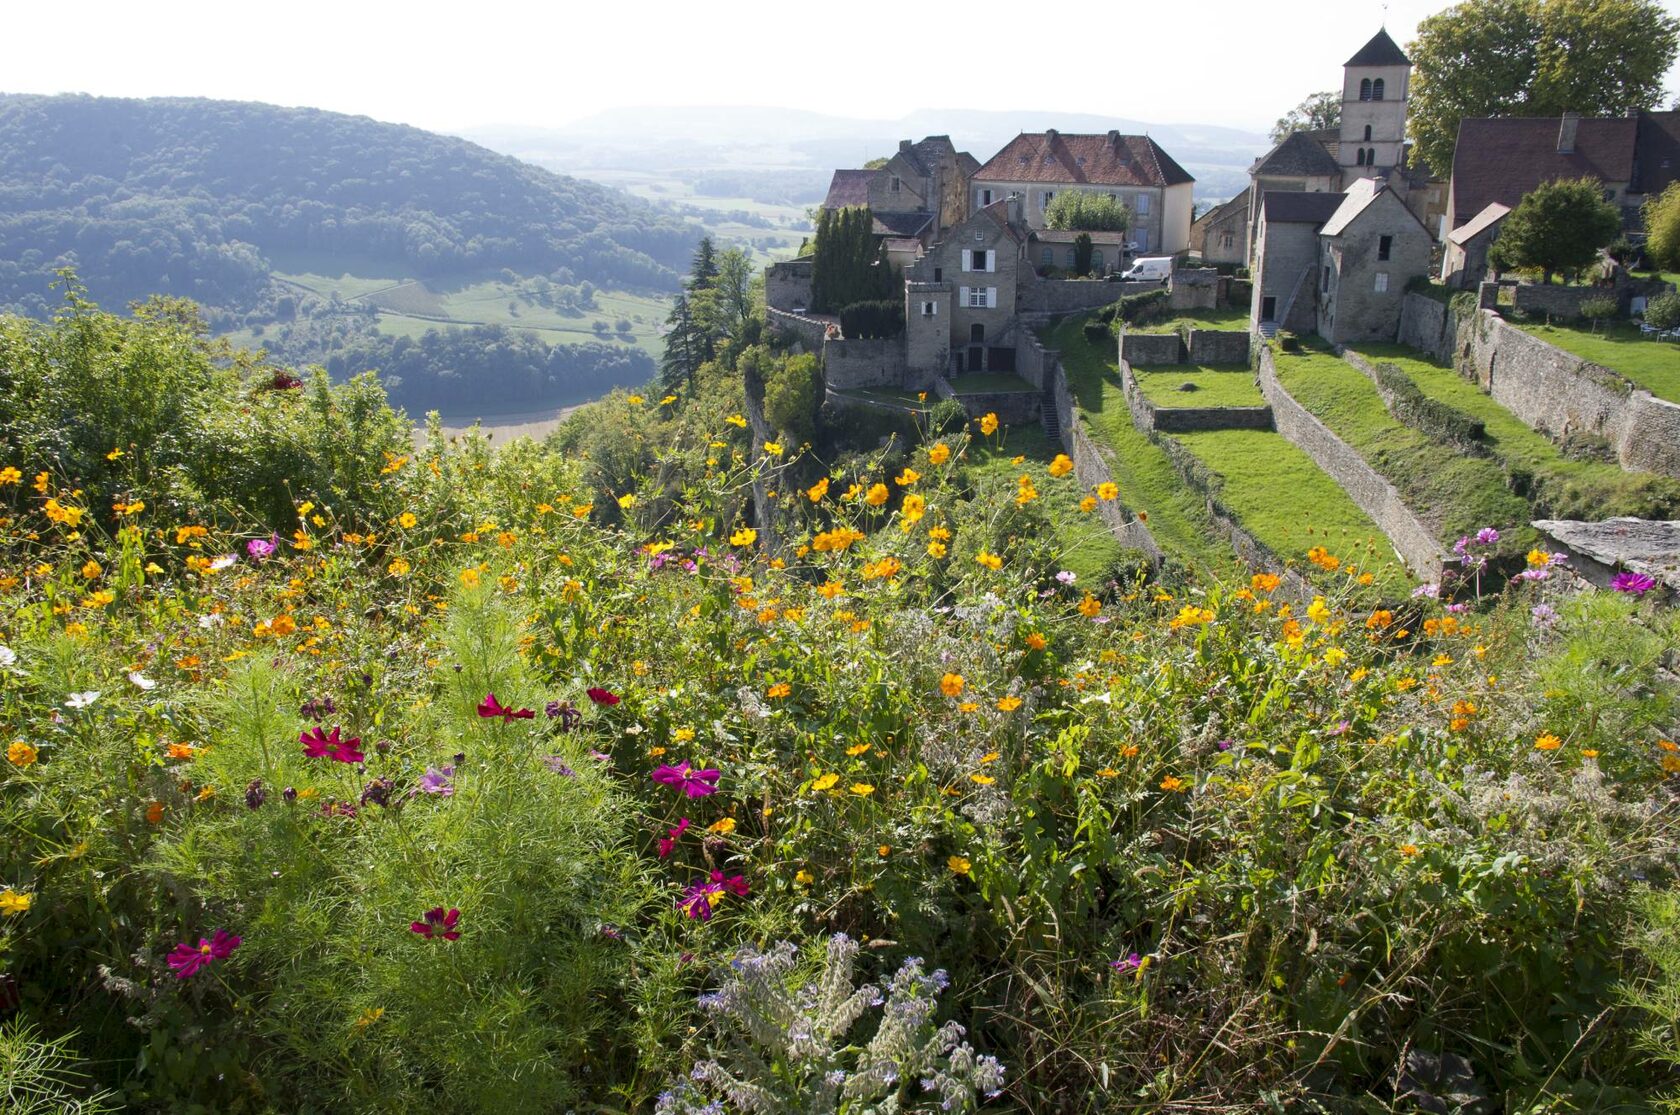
(1149, 269)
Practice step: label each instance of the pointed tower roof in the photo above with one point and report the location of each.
(1380, 51)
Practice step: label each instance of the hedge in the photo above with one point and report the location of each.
(872, 320)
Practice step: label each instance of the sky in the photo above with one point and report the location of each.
(455, 67)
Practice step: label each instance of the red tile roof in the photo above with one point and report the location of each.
(1503, 159)
(1083, 160)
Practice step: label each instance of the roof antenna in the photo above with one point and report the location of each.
(1385, 15)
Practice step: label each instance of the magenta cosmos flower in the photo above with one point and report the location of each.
(318, 744)
(261, 549)
(602, 696)
(1634, 584)
(668, 842)
(186, 960)
(694, 783)
(438, 923)
(698, 899)
(490, 708)
(439, 781)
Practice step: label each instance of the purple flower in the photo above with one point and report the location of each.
(439, 782)
(1066, 577)
(186, 960)
(1431, 590)
(262, 548)
(1225, 745)
(254, 794)
(565, 712)
(318, 744)
(694, 783)
(438, 924)
(1487, 536)
(1127, 963)
(1633, 584)
(1457, 609)
(1544, 614)
(378, 792)
(558, 765)
(668, 842)
(698, 898)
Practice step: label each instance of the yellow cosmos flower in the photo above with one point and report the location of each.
(958, 865)
(20, 754)
(14, 902)
(1088, 504)
(861, 789)
(981, 779)
(990, 561)
(817, 491)
(398, 568)
(407, 520)
(952, 685)
(1090, 606)
(779, 690)
(1008, 704)
(774, 448)
(938, 453)
(988, 423)
(627, 500)
(825, 782)
(906, 478)
(1172, 784)
(804, 878)
(1547, 742)
(1062, 465)
(722, 827)
(857, 749)
(10, 475)
(737, 421)
(746, 536)
(878, 494)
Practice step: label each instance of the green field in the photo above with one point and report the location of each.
(1653, 365)
(1452, 492)
(1216, 385)
(1178, 517)
(1558, 486)
(409, 307)
(1229, 318)
(1291, 505)
(1087, 547)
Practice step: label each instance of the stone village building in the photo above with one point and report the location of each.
(919, 194)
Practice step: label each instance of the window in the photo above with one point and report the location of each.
(1367, 133)
(895, 184)
(978, 235)
(1143, 239)
(1227, 240)
(986, 195)
(1382, 282)
(1370, 156)
(1048, 259)
(1365, 90)
(1044, 198)
(938, 274)
(1096, 259)
(1377, 89)
(1385, 245)
(1073, 256)
(1324, 281)
(979, 260)
(930, 309)
(981, 297)
(1143, 205)
(977, 334)
(1359, 158)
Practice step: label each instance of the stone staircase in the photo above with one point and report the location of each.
(1051, 421)
(1268, 330)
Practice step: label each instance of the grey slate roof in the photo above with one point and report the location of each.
(1486, 219)
(1380, 51)
(1295, 207)
(1299, 156)
(847, 188)
(901, 224)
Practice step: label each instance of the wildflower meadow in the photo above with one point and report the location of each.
(346, 775)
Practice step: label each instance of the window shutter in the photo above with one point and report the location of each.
(968, 260)
(991, 296)
(964, 300)
(991, 261)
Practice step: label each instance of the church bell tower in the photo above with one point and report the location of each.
(1375, 85)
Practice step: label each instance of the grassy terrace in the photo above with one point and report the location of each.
(1217, 385)
(1227, 318)
(987, 383)
(1454, 493)
(1088, 548)
(1148, 484)
(1653, 365)
(1291, 505)
(1557, 486)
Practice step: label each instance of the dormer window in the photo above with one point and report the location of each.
(1080, 160)
(895, 184)
(1365, 89)
(1377, 89)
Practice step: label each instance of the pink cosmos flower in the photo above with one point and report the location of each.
(261, 548)
(439, 781)
(438, 923)
(186, 960)
(694, 783)
(698, 898)
(490, 708)
(1634, 584)
(669, 841)
(318, 744)
(603, 696)
(1127, 963)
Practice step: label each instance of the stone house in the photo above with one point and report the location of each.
(1370, 249)
(1465, 262)
(1055, 248)
(1370, 142)
(920, 193)
(1499, 160)
(1221, 234)
(1133, 170)
(960, 298)
(1337, 264)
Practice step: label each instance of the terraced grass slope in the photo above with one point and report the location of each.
(1452, 492)
(1555, 485)
(1652, 364)
(1229, 317)
(1214, 385)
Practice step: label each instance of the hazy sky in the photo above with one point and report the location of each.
(452, 66)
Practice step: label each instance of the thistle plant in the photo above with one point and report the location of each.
(783, 1045)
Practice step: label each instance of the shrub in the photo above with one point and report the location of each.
(1598, 310)
(1422, 412)
(872, 320)
(1145, 307)
(1663, 311)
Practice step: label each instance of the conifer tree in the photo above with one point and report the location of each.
(704, 270)
(684, 347)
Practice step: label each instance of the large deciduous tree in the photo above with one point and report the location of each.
(1320, 110)
(1535, 58)
(1560, 226)
(1662, 228)
(1087, 210)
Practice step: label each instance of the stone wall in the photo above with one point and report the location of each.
(1556, 301)
(1428, 326)
(810, 330)
(1194, 289)
(879, 363)
(1072, 296)
(1149, 349)
(1148, 415)
(1559, 393)
(1412, 540)
(1218, 346)
(1013, 408)
(787, 285)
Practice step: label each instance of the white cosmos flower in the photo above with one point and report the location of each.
(8, 657)
(141, 680)
(221, 563)
(209, 620)
(82, 700)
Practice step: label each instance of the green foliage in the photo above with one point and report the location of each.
(1663, 311)
(793, 392)
(1431, 416)
(1087, 210)
(1140, 309)
(871, 320)
(42, 1077)
(1662, 228)
(847, 265)
(1316, 112)
(1535, 58)
(1596, 310)
(1558, 226)
(1082, 249)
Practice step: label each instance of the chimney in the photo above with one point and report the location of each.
(1013, 208)
(1113, 140)
(904, 145)
(1566, 133)
(1050, 136)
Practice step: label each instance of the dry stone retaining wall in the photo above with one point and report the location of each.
(1149, 349)
(808, 329)
(875, 363)
(1412, 540)
(1219, 346)
(1148, 415)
